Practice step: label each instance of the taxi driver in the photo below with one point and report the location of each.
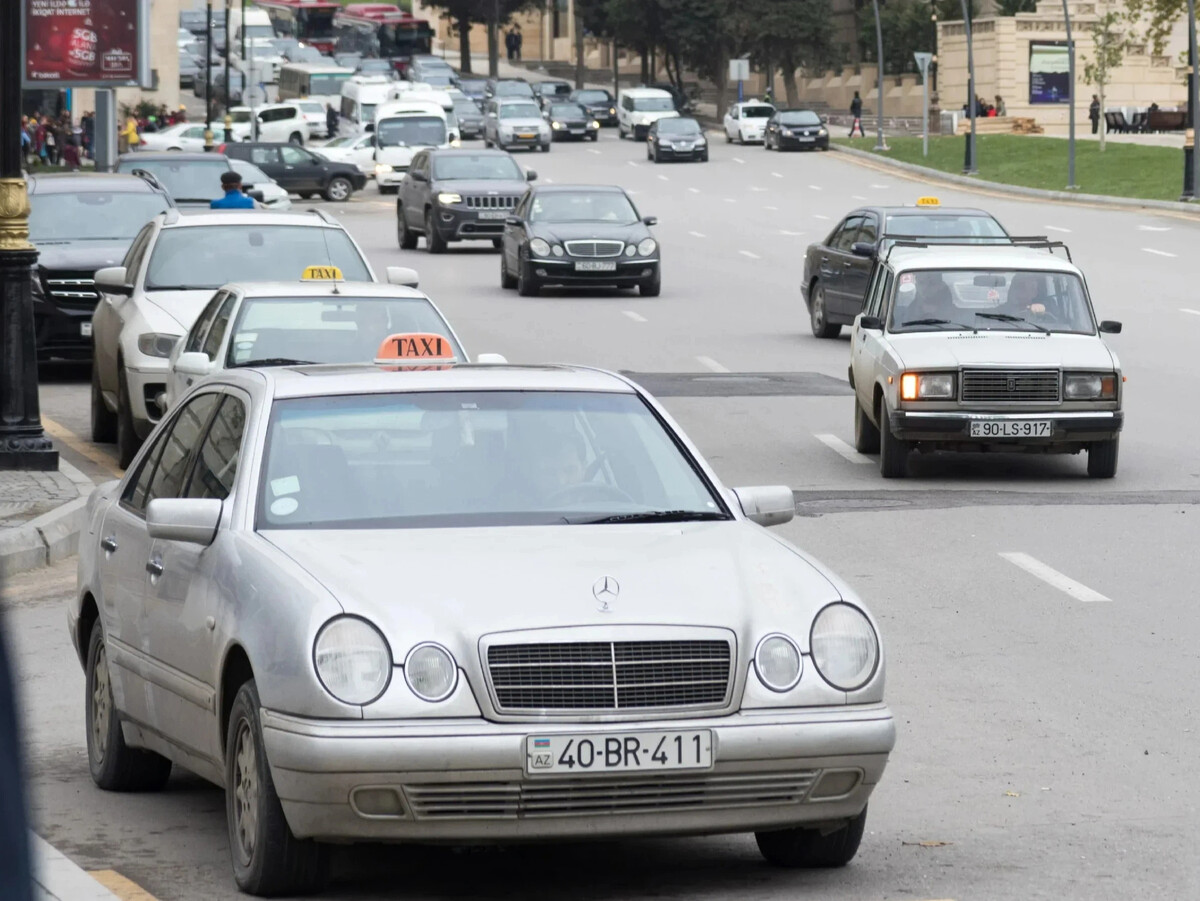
(557, 463)
(1024, 294)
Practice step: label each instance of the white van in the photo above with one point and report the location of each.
(256, 24)
(361, 94)
(639, 108)
(408, 90)
(402, 127)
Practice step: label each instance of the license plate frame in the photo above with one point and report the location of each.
(673, 750)
(1004, 428)
(595, 266)
(493, 214)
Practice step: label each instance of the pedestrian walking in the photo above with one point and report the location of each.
(510, 44)
(1094, 113)
(234, 198)
(856, 116)
(129, 139)
(87, 124)
(331, 120)
(520, 40)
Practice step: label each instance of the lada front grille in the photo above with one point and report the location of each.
(594, 248)
(605, 796)
(610, 675)
(491, 202)
(1027, 386)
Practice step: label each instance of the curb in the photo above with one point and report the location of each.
(924, 173)
(51, 537)
(57, 878)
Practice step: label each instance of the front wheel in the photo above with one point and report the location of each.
(1102, 458)
(818, 316)
(893, 453)
(338, 189)
(866, 435)
(434, 242)
(267, 858)
(127, 438)
(810, 848)
(508, 281)
(546, 148)
(653, 287)
(406, 237)
(305, 195)
(104, 421)
(527, 284)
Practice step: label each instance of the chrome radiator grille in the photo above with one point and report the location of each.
(1010, 386)
(609, 675)
(76, 289)
(594, 248)
(491, 202)
(610, 795)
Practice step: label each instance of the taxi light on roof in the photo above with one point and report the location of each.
(321, 274)
(415, 348)
(928, 201)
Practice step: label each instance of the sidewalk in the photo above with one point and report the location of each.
(41, 514)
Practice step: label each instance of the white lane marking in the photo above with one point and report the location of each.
(697, 234)
(784, 231)
(750, 254)
(593, 150)
(1186, 310)
(756, 188)
(1154, 228)
(636, 317)
(663, 178)
(738, 159)
(772, 208)
(882, 187)
(1052, 576)
(1056, 228)
(1158, 253)
(549, 181)
(632, 162)
(711, 364)
(815, 187)
(857, 197)
(819, 216)
(730, 200)
(840, 447)
(777, 174)
(694, 190)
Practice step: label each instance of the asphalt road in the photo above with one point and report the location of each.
(1040, 625)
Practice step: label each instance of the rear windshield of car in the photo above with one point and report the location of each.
(411, 131)
(206, 257)
(471, 166)
(758, 112)
(678, 127)
(92, 215)
(596, 206)
(520, 111)
(186, 180)
(653, 104)
(804, 117)
(949, 226)
(513, 89)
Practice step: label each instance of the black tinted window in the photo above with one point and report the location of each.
(183, 436)
(217, 460)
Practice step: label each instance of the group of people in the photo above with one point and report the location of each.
(984, 110)
(512, 42)
(57, 140)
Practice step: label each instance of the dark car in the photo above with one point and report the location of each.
(600, 103)
(795, 129)
(192, 179)
(80, 223)
(475, 88)
(470, 118)
(579, 236)
(837, 270)
(677, 138)
(548, 92)
(571, 121)
(453, 195)
(508, 87)
(299, 171)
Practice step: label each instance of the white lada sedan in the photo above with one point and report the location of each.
(467, 604)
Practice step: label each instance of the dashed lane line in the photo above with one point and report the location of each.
(1053, 577)
(858, 197)
(697, 234)
(1154, 228)
(738, 159)
(749, 253)
(773, 209)
(1186, 310)
(1057, 228)
(636, 317)
(815, 187)
(731, 200)
(777, 174)
(710, 364)
(693, 190)
(784, 231)
(593, 150)
(663, 178)
(842, 449)
(881, 187)
(819, 216)
(1158, 253)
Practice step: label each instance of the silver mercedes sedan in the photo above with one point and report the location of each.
(472, 604)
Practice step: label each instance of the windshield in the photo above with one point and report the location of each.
(520, 111)
(951, 226)
(92, 216)
(239, 115)
(326, 84)
(199, 257)
(513, 89)
(250, 173)
(653, 104)
(411, 131)
(463, 459)
(328, 330)
(804, 117)
(990, 300)
(593, 97)
(758, 112)
(470, 166)
(186, 180)
(568, 111)
(598, 206)
(678, 127)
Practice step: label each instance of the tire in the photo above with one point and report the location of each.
(595, 136)
(728, 139)
(267, 858)
(657, 156)
(338, 189)
(487, 143)
(389, 189)
(406, 238)
(704, 158)
(545, 148)
(434, 242)
(527, 285)
(296, 138)
(1102, 458)
(620, 132)
(128, 441)
(808, 848)
(115, 766)
(651, 288)
(866, 435)
(104, 421)
(817, 313)
(507, 281)
(305, 195)
(893, 453)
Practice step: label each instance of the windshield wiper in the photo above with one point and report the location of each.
(1006, 317)
(933, 322)
(653, 516)
(182, 287)
(273, 361)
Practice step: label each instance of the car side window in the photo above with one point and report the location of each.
(869, 231)
(627, 103)
(136, 250)
(179, 443)
(220, 324)
(884, 292)
(195, 338)
(845, 237)
(264, 156)
(216, 463)
(135, 496)
(293, 156)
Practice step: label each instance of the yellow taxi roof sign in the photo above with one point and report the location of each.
(409, 348)
(321, 274)
(928, 201)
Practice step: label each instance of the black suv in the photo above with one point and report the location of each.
(80, 223)
(453, 195)
(298, 170)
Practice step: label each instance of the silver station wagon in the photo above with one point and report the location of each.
(983, 348)
(478, 603)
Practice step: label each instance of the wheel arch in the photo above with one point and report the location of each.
(89, 615)
(236, 671)
(877, 403)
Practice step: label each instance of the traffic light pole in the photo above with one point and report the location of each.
(880, 143)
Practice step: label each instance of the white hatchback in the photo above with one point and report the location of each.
(746, 122)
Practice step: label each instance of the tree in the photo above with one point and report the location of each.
(1012, 7)
(463, 13)
(792, 34)
(1160, 17)
(906, 29)
(1109, 43)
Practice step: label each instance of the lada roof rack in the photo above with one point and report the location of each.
(1031, 241)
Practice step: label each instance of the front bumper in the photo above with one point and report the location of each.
(455, 224)
(62, 333)
(145, 384)
(629, 272)
(387, 179)
(670, 153)
(952, 427)
(751, 135)
(464, 779)
(517, 140)
(790, 142)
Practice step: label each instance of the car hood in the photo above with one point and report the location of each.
(926, 350)
(82, 255)
(182, 306)
(481, 186)
(573, 231)
(727, 574)
(529, 123)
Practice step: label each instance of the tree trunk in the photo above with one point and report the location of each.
(645, 65)
(789, 82)
(1103, 122)
(616, 61)
(493, 33)
(464, 44)
(653, 63)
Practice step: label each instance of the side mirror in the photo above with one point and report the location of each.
(863, 249)
(871, 323)
(1110, 327)
(530, 175)
(512, 220)
(650, 220)
(256, 195)
(402, 275)
(417, 175)
(113, 280)
(767, 505)
(193, 363)
(370, 128)
(193, 520)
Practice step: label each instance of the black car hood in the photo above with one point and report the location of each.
(483, 186)
(574, 231)
(81, 255)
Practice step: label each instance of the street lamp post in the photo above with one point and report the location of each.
(228, 51)
(23, 444)
(880, 143)
(1071, 186)
(1191, 161)
(208, 52)
(970, 165)
(923, 60)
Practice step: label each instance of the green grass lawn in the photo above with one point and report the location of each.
(1123, 170)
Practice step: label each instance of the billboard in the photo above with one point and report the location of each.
(85, 43)
(1049, 72)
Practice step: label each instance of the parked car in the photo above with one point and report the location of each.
(298, 170)
(192, 179)
(358, 150)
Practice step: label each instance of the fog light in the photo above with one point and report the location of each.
(835, 784)
(447, 217)
(377, 802)
(541, 273)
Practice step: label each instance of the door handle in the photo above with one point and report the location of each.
(154, 566)
(109, 543)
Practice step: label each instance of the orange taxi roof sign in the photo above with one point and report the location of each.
(928, 201)
(415, 348)
(321, 274)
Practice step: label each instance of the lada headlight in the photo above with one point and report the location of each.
(1089, 386)
(431, 672)
(539, 247)
(927, 386)
(845, 649)
(353, 660)
(778, 662)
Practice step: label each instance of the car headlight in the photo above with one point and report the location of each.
(382, 168)
(778, 662)
(430, 671)
(157, 344)
(540, 248)
(1089, 386)
(701, 140)
(630, 249)
(845, 649)
(927, 386)
(556, 125)
(593, 124)
(456, 143)
(647, 247)
(822, 132)
(612, 110)
(449, 197)
(558, 251)
(353, 660)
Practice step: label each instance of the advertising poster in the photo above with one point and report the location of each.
(1049, 73)
(76, 43)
